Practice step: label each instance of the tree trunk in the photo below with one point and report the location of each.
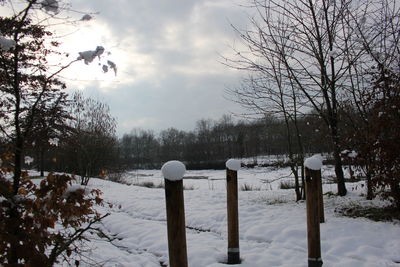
(13, 257)
(42, 162)
(370, 192)
(303, 181)
(17, 165)
(292, 162)
(342, 191)
(296, 181)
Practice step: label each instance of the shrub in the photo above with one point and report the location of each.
(29, 220)
(376, 139)
(287, 185)
(160, 185)
(117, 177)
(374, 213)
(188, 187)
(249, 187)
(148, 185)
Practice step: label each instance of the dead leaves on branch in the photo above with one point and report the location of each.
(43, 221)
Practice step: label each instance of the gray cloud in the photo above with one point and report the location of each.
(181, 80)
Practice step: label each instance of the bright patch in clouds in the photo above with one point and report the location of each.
(167, 54)
(86, 37)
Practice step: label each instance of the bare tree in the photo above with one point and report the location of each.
(374, 49)
(139, 149)
(92, 143)
(318, 48)
(267, 93)
(172, 144)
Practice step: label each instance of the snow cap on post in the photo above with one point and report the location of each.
(314, 162)
(233, 164)
(173, 170)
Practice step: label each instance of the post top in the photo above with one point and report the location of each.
(233, 164)
(173, 170)
(314, 162)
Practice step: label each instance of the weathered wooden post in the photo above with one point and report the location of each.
(173, 172)
(313, 174)
(232, 166)
(321, 212)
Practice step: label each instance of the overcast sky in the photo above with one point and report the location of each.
(168, 54)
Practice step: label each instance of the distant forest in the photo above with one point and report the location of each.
(209, 145)
(212, 142)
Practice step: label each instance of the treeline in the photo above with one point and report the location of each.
(88, 145)
(214, 141)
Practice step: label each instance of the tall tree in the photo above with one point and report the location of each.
(29, 89)
(315, 44)
(139, 149)
(269, 93)
(172, 144)
(374, 49)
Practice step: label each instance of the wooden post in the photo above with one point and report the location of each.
(176, 223)
(233, 217)
(173, 172)
(321, 212)
(313, 217)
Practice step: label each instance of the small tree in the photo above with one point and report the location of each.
(49, 128)
(376, 142)
(386, 132)
(91, 146)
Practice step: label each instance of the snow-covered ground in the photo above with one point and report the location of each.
(272, 224)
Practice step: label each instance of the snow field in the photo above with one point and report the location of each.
(270, 235)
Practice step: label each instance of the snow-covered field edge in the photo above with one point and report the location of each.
(272, 224)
